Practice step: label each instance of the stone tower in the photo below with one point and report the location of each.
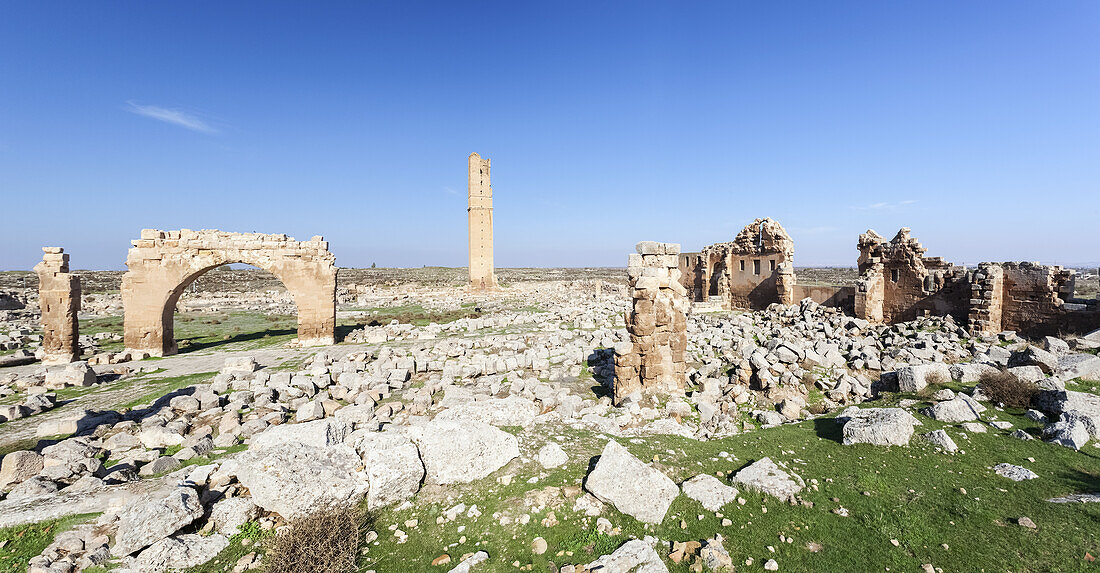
(59, 296)
(480, 209)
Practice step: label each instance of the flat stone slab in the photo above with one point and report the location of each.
(1014, 473)
(765, 476)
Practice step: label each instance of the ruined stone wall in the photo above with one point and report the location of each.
(987, 299)
(692, 271)
(754, 270)
(652, 362)
(898, 283)
(59, 298)
(163, 263)
(841, 297)
(480, 210)
(1036, 301)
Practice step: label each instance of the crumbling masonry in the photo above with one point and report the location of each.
(898, 283)
(162, 264)
(653, 361)
(59, 297)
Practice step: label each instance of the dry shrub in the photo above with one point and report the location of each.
(1005, 388)
(323, 542)
(936, 378)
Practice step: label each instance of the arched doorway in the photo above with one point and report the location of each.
(162, 264)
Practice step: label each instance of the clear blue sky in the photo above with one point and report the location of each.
(975, 123)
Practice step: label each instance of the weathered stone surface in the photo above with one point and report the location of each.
(231, 513)
(19, 466)
(317, 434)
(916, 378)
(74, 374)
(634, 556)
(709, 491)
(143, 524)
(878, 426)
(294, 480)
(178, 552)
(940, 439)
(470, 562)
(551, 456)
(510, 411)
(1014, 473)
(630, 485)
(1069, 431)
(765, 476)
(461, 452)
(951, 411)
(392, 464)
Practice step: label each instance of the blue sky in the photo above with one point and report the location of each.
(977, 124)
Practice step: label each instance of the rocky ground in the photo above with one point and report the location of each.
(475, 432)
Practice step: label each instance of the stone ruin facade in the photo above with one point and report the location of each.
(754, 270)
(162, 264)
(653, 361)
(480, 209)
(59, 297)
(898, 283)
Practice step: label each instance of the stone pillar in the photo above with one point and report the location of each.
(785, 283)
(480, 210)
(986, 299)
(653, 361)
(870, 294)
(59, 297)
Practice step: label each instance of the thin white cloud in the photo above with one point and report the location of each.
(172, 116)
(450, 191)
(884, 206)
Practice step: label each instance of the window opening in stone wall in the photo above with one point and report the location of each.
(894, 275)
(756, 267)
(742, 265)
(772, 264)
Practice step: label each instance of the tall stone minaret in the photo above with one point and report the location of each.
(480, 209)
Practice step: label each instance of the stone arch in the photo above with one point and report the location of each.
(162, 264)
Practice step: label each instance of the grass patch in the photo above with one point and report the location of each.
(162, 386)
(19, 544)
(416, 315)
(913, 496)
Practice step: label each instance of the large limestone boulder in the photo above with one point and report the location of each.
(143, 524)
(317, 434)
(1035, 356)
(392, 464)
(630, 485)
(878, 426)
(765, 476)
(634, 556)
(709, 491)
(952, 411)
(510, 411)
(294, 480)
(178, 552)
(551, 456)
(229, 514)
(18, 467)
(461, 452)
(916, 378)
(74, 374)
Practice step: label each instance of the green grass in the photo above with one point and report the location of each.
(416, 315)
(914, 497)
(249, 538)
(19, 544)
(161, 386)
